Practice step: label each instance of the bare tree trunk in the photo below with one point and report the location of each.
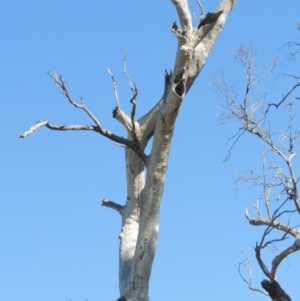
(193, 49)
(146, 173)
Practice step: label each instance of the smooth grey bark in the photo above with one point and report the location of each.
(145, 174)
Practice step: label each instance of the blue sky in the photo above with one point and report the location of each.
(56, 239)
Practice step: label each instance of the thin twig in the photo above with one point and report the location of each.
(115, 87)
(134, 91)
(246, 264)
(201, 10)
(276, 105)
(131, 85)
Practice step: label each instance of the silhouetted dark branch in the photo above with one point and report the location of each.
(276, 105)
(274, 290)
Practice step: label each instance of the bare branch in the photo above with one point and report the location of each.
(131, 144)
(134, 91)
(98, 128)
(183, 14)
(32, 129)
(246, 265)
(62, 87)
(259, 260)
(118, 114)
(123, 118)
(45, 123)
(236, 137)
(148, 121)
(273, 224)
(133, 102)
(292, 56)
(115, 88)
(276, 105)
(131, 85)
(201, 10)
(112, 205)
(128, 143)
(285, 253)
(267, 222)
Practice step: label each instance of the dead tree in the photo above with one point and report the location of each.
(278, 207)
(146, 172)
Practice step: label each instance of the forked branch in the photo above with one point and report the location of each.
(118, 114)
(283, 99)
(245, 264)
(96, 128)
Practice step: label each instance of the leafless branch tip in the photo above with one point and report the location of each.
(114, 87)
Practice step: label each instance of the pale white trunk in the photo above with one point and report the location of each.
(135, 175)
(146, 174)
(140, 218)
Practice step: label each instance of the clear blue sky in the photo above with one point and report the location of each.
(56, 239)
